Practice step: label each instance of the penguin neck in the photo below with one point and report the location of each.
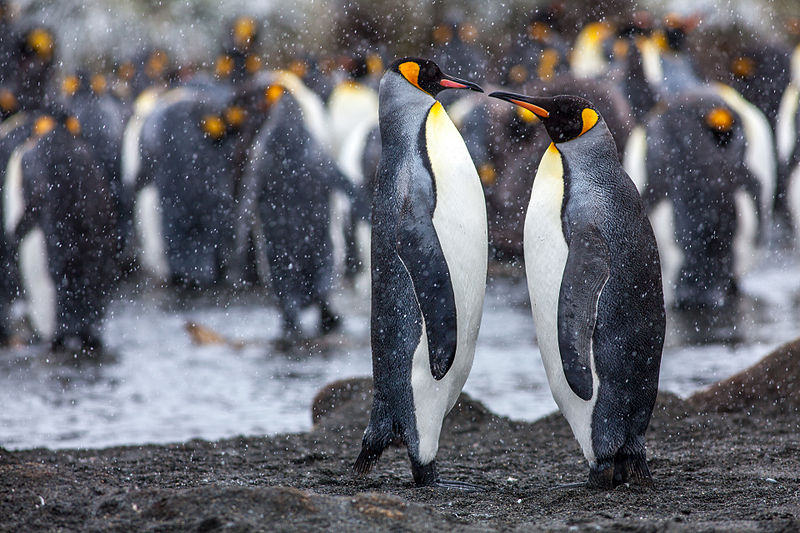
(596, 144)
(402, 110)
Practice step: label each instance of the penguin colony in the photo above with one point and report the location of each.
(622, 159)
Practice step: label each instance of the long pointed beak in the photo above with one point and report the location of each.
(522, 101)
(450, 82)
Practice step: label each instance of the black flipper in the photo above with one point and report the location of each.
(585, 275)
(419, 248)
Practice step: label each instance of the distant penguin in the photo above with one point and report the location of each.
(59, 207)
(186, 147)
(286, 188)
(705, 203)
(429, 261)
(595, 286)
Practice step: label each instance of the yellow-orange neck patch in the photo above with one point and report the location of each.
(590, 118)
(410, 71)
(526, 115)
(548, 62)
(374, 64)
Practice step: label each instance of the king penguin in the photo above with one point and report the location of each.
(429, 260)
(594, 280)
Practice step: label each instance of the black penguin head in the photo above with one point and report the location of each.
(565, 117)
(425, 75)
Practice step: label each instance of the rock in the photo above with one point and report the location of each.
(771, 386)
(347, 402)
(277, 508)
(337, 393)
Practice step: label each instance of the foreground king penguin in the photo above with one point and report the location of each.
(429, 258)
(594, 279)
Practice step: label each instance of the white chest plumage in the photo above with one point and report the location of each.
(546, 253)
(460, 222)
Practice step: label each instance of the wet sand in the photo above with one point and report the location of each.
(726, 459)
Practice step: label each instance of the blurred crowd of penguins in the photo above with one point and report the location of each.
(239, 172)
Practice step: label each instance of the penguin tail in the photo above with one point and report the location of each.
(377, 438)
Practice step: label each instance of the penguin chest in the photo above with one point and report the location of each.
(459, 219)
(546, 253)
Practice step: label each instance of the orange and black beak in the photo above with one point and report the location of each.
(450, 82)
(532, 103)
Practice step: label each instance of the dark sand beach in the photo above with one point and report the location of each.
(725, 459)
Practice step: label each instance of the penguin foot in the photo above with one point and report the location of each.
(601, 476)
(428, 476)
(574, 485)
(632, 469)
(328, 321)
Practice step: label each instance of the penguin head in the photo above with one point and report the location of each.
(565, 117)
(426, 76)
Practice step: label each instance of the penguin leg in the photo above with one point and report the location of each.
(428, 476)
(352, 259)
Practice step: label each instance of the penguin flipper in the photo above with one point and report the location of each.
(585, 274)
(421, 253)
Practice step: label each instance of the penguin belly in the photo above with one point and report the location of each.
(460, 223)
(546, 253)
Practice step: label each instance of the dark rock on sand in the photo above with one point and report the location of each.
(771, 386)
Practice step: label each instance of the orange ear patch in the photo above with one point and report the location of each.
(719, 119)
(244, 29)
(410, 71)
(252, 64)
(41, 42)
(224, 66)
(273, 94)
(98, 84)
(8, 102)
(43, 125)
(70, 85)
(590, 118)
(743, 67)
(73, 125)
(213, 126)
(235, 116)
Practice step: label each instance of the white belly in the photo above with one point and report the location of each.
(460, 222)
(545, 258)
(40, 291)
